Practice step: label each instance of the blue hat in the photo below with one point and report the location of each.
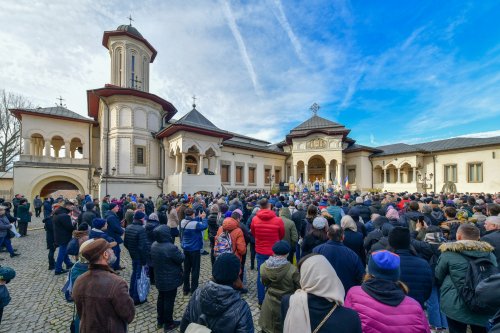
(112, 205)
(384, 265)
(228, 213)
(98, 223)
(139, 215)
(281, 248)
(7, 274)
(278, 205)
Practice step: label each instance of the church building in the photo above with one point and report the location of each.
(131, 141)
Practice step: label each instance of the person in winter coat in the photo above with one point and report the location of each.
(213, 227)
(492, 235)
(335, 210)
(99, 230)
(47, 208)
(381, 300)
(298, 218)
(317, 235)
(4, 232)
(167, 260)
(361, 210)
(352, 238)
(115, 231)
(437, 319)
(24, 216)
(217, 305)
(100, 296)
(383, 242)
(6, 275)
(192, 243)
(79, 236)
(280, 278)
(135, 241)
(487, 292)
(37, 204)
(346, 262)
(48, 226)
(63, 232)
(81, 266)
(267, 229)
(416, 273)
(231, 225)
(291, 235)
(89, 215)
(318, 304)
(152, 223)
(451, 270)
(173, 222)
(411, 217)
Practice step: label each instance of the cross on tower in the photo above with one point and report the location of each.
(314, 108)
(134, 83)
(60, 99)
(130, 19)
(194, 101)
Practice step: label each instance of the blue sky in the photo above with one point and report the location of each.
(391, 71)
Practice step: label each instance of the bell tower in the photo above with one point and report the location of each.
(130, 55)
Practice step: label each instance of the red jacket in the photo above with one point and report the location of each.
(267, 229)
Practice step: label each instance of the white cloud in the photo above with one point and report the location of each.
(486, 134)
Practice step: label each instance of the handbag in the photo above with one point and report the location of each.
(68, 288)
(143, 284)
(197, 328)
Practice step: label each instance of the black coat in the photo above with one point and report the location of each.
(63, 227)
(115, 229)
(166, 259)
(493, 237)
(361, 210)
(49, 231)
(136, 242)
(87, 217)
(223, 310)
(342, 320)
(213, 227)
(298, 218)
(416, 273)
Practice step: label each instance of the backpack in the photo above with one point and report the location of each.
(223, 244)
(479, 269)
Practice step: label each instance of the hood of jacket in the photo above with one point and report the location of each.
(151, 225)
(61, 210)
(469, 248)
(230, 224)
(79, 234)
(265, 214)
(278, 271)
(384, 291)
(215, 299)
(162, 234)
(285, 212)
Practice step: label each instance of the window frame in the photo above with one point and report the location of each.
(242, 174)
(223, 166)
(445, 173)
(469, 165)
(136, 155)
(252, 171)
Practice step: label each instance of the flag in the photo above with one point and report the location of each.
(336, 181)
(346, 182)
(299, 182)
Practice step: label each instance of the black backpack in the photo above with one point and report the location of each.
(479, 269)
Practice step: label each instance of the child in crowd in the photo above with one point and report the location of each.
(6, 275)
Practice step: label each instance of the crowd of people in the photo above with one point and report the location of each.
(326, 262)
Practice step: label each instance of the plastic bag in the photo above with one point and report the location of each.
(143, 284)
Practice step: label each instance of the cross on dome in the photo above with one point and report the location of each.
(314, 109)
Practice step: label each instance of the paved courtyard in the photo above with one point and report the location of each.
(38, 305)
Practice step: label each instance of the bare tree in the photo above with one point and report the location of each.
(10, 128)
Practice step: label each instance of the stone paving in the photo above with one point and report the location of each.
(38, 305)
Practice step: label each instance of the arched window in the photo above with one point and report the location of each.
(191, 164)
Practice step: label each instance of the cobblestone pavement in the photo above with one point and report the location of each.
(38, 305)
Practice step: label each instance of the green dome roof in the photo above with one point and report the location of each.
(130, 29)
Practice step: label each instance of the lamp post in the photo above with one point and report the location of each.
(424, 179)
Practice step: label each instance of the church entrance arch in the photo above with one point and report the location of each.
(316, 168)
(57, 185)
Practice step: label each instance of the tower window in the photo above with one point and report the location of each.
(139, 155)
(133, 72)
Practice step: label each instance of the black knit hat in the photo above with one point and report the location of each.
(281, 248)
(399, 238)
(226, 269)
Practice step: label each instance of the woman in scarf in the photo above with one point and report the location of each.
(352, 238)
(381, 300)
(317, 307)
(280, 278)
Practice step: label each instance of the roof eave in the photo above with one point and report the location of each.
(174, 128)
(17, 113)
(107, 34)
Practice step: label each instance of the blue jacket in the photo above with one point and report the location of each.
(115, 229)
(192, 238)
(345, 261)
(416, 273)
(336, 213)
(96, 234)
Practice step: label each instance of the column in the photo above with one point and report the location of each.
(385, 176)
(399, 175)
(414, 175)
(306, 174)
(27, 146)
(327, 177)
(176, 164)
(67, 149)
(232, 174)
(216, 165)
(209, 164)
(295, 176)
(341, 173)
(183, 163)
(47, 148)
(200, 164)
(85, 148)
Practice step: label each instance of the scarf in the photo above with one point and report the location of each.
(276, 262)
(317, 277)
(384, 291)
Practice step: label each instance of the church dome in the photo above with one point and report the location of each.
(130, 29)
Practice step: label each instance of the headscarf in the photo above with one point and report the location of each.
(348, 223)
(317, 277)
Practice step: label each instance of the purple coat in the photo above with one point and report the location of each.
(377, 317)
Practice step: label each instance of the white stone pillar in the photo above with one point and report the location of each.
(27, 146)
(47, 148)
(341, 174)
(306, 174)
(414, 180)
(183, 163)
(327, 176)
(385, 176)
(216, 165)
(176, 164)
(295, 176)
(200, 164)
(67, 149)
(399, 175)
